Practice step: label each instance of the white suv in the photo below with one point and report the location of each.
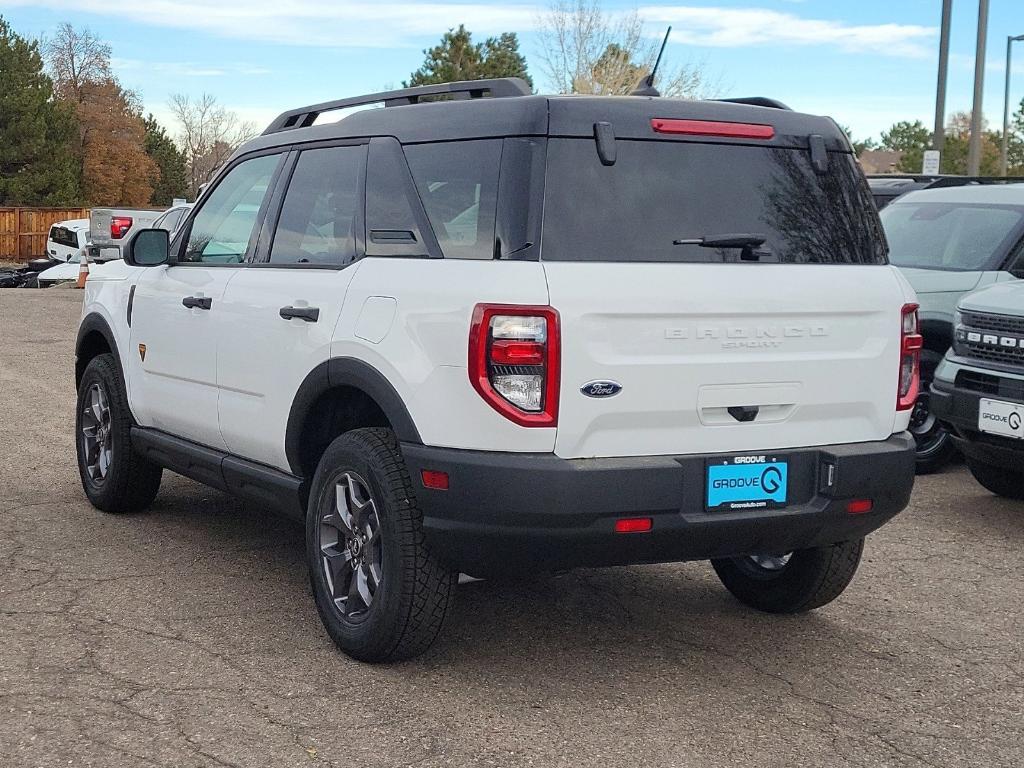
(504, 332)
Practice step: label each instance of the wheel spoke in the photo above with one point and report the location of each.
(104, 461)
(341, 505)
(338, 569)
(363, 585)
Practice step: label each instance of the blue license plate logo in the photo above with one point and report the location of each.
(744, 484)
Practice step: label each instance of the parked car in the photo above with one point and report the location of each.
(67, 239)
(948, 242)
(68, 272)
(110, 228)
(172, 218)
(368, 324)
(978, 390)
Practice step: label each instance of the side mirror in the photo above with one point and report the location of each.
(148, 248)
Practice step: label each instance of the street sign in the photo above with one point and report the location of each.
(930, 164)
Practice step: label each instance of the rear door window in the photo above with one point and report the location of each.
(660, 196)
(321, 219)
(458, 184)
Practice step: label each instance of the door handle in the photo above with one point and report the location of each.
(197, 302)
(309, 314)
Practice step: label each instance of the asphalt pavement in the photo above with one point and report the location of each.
(186, 635)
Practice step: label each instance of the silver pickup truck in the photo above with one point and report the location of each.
(110, 227)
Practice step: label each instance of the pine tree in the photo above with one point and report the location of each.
(173, 176)
(457, 57)
(36, 162)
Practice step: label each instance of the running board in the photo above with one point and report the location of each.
(248, 480)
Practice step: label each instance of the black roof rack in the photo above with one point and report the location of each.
(303, 117)
(757, 101)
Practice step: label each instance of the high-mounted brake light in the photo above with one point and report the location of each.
(514, 361)
(119, 226)
(911, 342)
(713, 128)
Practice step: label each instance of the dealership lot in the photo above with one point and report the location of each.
(186, 637)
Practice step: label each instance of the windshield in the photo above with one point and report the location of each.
(63, 236)
(949, 236)
(671, 201)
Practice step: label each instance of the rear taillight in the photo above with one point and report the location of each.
(514, 361)
(911, 342)
(119, 226)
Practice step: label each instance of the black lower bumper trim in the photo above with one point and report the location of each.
(508, 511)
(957, 409)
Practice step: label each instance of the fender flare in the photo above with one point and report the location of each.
(346, 372)
(95, 323)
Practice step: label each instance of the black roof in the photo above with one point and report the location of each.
(499, 108)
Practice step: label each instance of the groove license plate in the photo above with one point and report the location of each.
(747, 482)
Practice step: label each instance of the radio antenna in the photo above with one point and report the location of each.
(646, 85)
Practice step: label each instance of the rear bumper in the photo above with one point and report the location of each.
(512, 511)
(957, 408)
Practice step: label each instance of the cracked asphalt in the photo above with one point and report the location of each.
(186, 636)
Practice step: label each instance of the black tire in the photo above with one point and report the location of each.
(129, 482)
(810, 579)
(934, 445)
(1000, 481)
(411, 589)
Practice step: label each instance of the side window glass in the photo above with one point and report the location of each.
(223, 225)
(1017, 261)
(458, 184)
(321, 221)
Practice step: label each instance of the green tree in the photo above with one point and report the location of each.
(173, 177)
(37, 166)
(912, 139)
(457, 57)
(1015, 143)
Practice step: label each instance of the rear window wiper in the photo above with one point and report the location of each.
(725, 241)
(745, 241)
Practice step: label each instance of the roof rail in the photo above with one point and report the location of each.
(303, 117)
(757, 101)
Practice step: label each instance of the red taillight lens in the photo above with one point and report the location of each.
(911, 342)
(119, 226)
(634, 525)
(514, 361)
(713, 128)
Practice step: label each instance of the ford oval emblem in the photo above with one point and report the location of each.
(601, 388)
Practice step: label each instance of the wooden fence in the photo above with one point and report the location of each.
(23, 231)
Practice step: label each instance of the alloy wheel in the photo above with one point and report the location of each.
(96, 434)
(350, 546)
(771, 563)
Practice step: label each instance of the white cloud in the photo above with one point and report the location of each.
(184, 68)
(337, 23)
(739, 27)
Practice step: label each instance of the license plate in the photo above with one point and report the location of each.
(747, 482)
(999, 418)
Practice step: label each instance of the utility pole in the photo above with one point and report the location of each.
(1003, 160)
(939, 134)
(974, 148)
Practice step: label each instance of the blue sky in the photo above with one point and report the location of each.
(867, 63)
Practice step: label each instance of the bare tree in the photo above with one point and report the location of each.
(208, 134)
(585, 49)
(77, 58)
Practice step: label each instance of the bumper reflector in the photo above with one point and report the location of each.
(634, 525)
(434, 479)
(859, 506)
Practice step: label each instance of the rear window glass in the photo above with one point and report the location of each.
(948, 236)
(63, 236)
(458, 184)
(660, 192)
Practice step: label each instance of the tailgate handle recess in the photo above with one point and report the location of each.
(743, 413)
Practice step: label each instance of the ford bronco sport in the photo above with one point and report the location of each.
(484, 331)
(979, 387)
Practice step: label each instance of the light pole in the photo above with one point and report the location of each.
(974, 147)
(1006, 105)
(939, 134)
